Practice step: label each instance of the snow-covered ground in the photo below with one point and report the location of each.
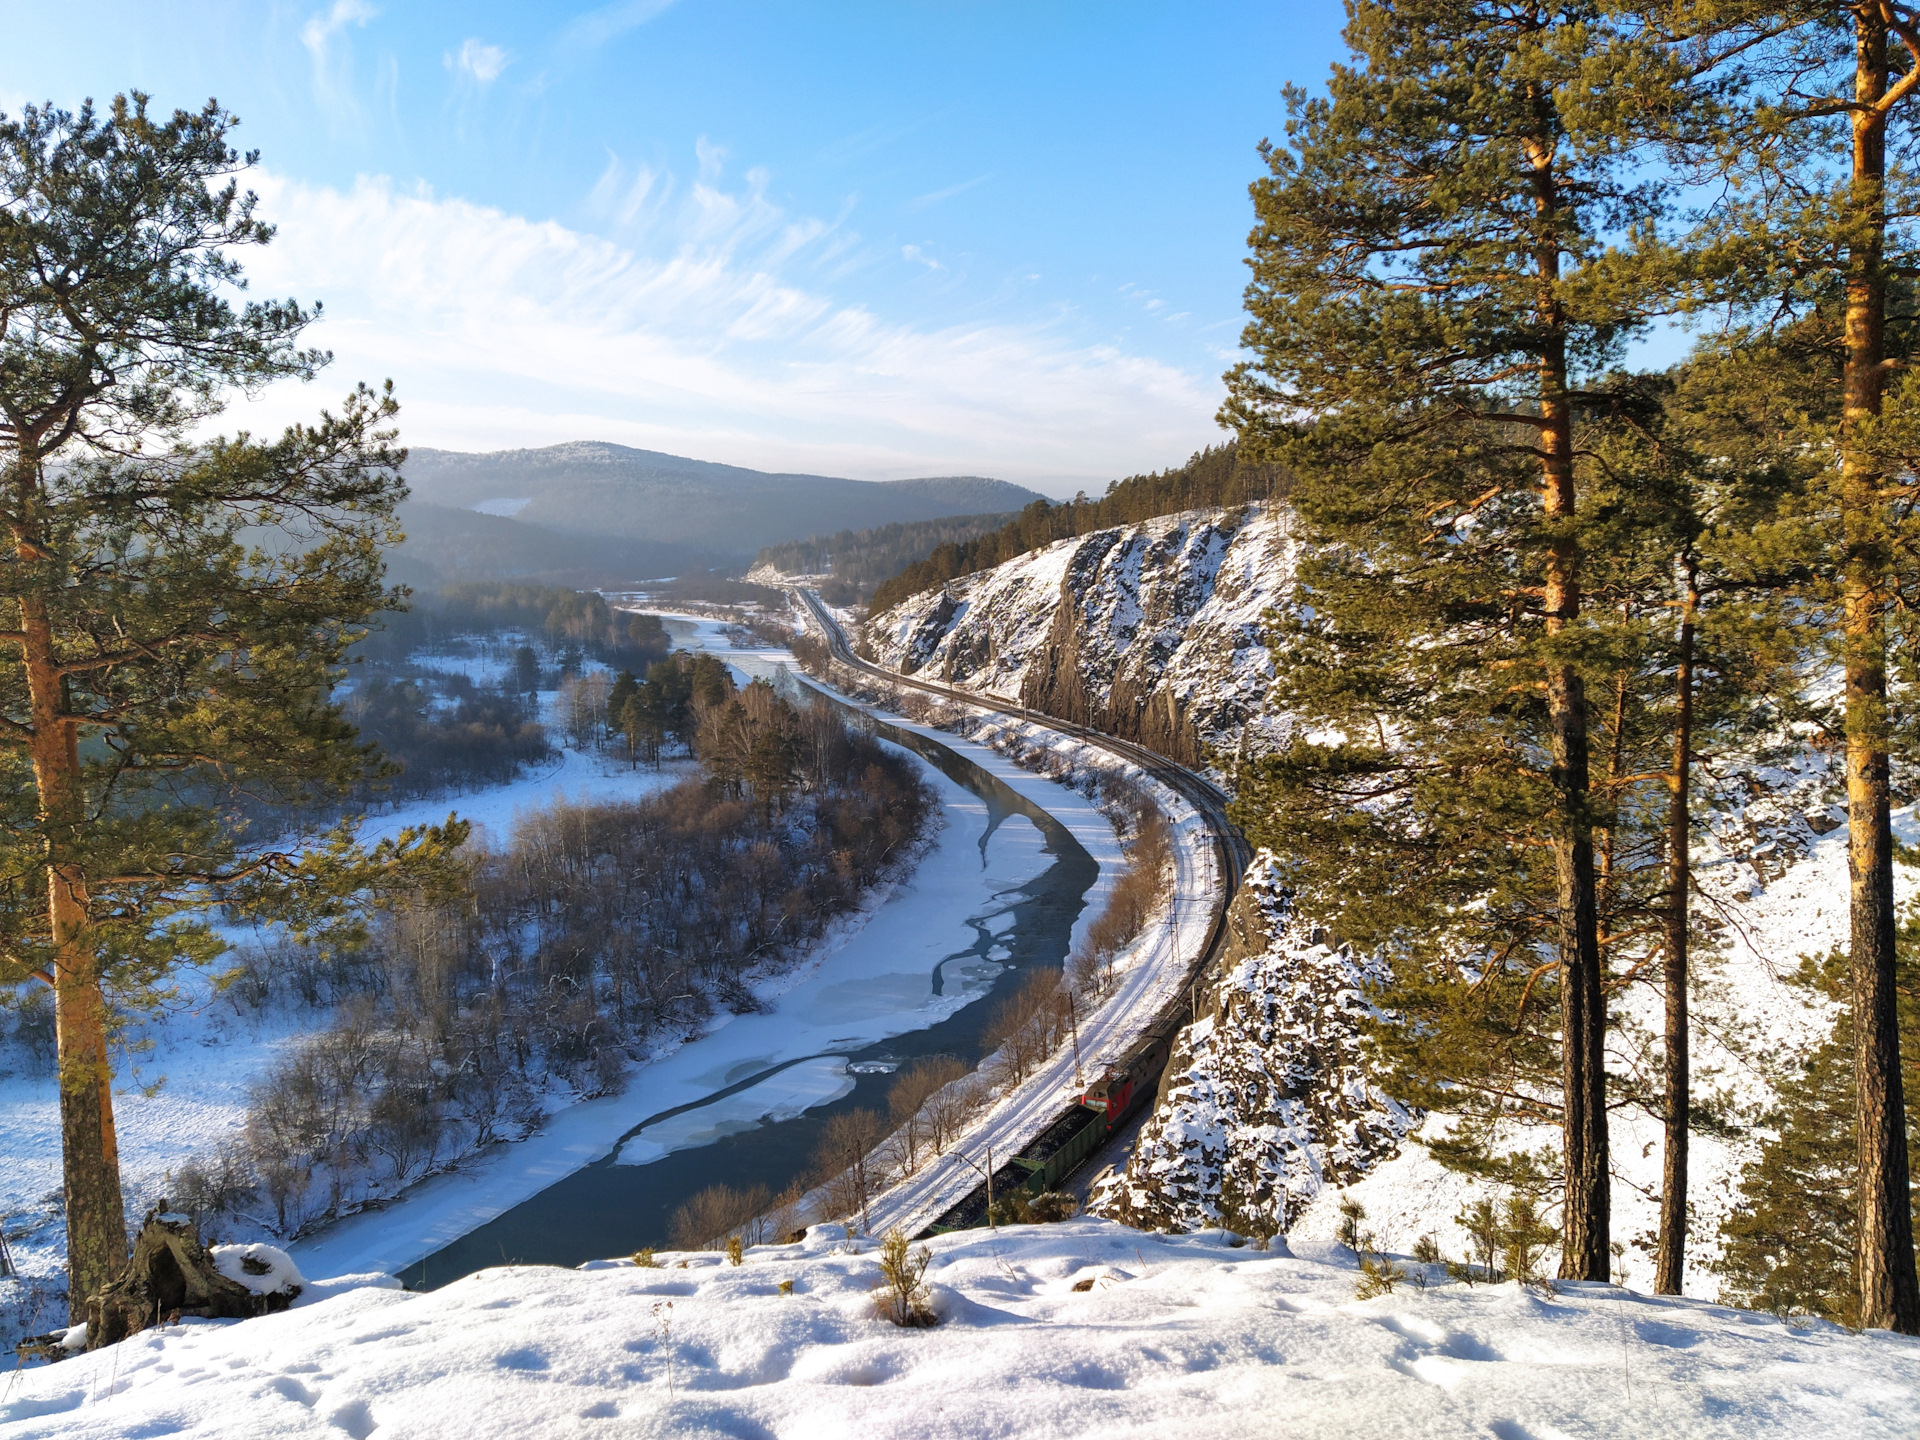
(1083, 1328)
(1749, 1024)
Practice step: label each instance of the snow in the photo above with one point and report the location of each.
(1747, 1022)
(1177, 602)
(781, 1096)
(1182, 599)
(263, 1269)
(1150, 973)
(206, 1054)
(1082, 1328)
(576, 776)
(872, 978)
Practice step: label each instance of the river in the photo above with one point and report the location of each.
(967, 933)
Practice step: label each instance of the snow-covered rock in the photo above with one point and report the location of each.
(1151, 631)
(1084, 1328)
(1268, 1098)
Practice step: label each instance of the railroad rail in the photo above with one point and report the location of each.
(1231, 851)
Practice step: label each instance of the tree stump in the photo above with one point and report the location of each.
(171, 1275)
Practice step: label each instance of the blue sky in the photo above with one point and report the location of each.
(878, 239)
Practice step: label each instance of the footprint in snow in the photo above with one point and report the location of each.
(291, 1389)
(355, 1418)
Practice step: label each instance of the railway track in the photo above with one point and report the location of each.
(1155, 996)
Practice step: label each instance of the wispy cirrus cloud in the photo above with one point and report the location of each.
(478, 60)
(595, 28)
(934, 197)
(328, 47)
(698, 325)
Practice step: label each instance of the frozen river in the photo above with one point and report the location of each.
(998, 893)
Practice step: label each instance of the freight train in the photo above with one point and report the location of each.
(1086, 1124)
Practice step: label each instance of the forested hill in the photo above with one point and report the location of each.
(861, 559)
(1213, 477)
(612, 492)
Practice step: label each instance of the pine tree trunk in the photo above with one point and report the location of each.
(90, 1152)
(1584, 1254)
(1670, 1253)
(1889, 1295)
(1583, 1018)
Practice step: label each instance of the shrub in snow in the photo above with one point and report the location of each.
(1352, 1212)
(1482, 1224)
(1525, 1239)
(901, 1295)
(1378, 1276)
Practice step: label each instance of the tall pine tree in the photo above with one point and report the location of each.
(1819, 215)
(173, 613)
(1449, 247)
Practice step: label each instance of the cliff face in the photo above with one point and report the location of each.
(1268, 1100)
(1151, 632)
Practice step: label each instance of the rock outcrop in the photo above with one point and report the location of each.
(1152, 632)
(1268, 1098)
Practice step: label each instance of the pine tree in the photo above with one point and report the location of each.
(1437, 286)
(1745, 547)
(1792, 1244)
(175, 613)
(1822, 94)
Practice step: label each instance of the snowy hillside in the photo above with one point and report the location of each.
(1083, 1328)
(1154, 631)
(1150, 631)
(1275, 1096)
(1270, 1100)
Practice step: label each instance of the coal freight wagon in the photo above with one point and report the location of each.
(1077, 1132)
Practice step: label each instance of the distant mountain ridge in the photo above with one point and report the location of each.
(447, 543)
(606, 491)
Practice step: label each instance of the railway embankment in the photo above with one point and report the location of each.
(1132, 1032)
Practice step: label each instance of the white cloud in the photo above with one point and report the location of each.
(483, 62)
(689, 335)
(915, 253)
(934, 197)
(597, 27)
(324, 35)
(319, 30)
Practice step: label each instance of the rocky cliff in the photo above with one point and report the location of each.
(1151, 632)
(1268, 1099)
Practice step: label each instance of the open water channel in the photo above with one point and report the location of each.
(762, 1122)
